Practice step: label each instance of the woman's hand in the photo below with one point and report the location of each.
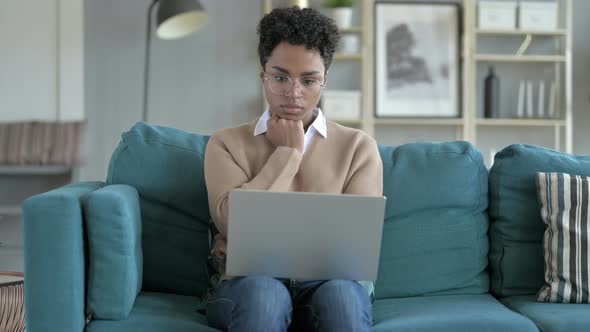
(283, 132)
(219, 250)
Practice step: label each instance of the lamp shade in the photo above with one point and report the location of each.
(179, 18)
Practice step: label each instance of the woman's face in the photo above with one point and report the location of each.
(298, 64)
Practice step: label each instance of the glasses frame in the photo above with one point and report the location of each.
(268, 76)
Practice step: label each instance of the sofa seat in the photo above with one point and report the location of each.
(551, 317)
(447, 313)
(157, 312)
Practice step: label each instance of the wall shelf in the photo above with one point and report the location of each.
(419, 121)
(519, 58)
(34, 169)
(356, 122)
(521, 122)
(10, 211)
(517, 32)
(351, 30)
(349, 57)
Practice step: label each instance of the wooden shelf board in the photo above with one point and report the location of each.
(521, 122)
(519, 58)
(420, 121)
(34, 169)
(517, 32)
(349, 122)
(341, 56)
(351, 30)
(10, 211)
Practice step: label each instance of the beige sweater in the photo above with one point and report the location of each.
(347, 161)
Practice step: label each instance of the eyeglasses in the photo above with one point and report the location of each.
(282, 85)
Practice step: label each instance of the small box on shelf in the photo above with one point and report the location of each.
(538, 15)
(497, 15)
(342, 105)
(349, 44)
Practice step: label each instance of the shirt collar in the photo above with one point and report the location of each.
(319, 124)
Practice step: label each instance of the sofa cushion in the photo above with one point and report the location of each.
(158, 312)
(564, 204)
(165, 165)
(551, 317)
(447, 313)
(115, 261)
(435, 232)
(516, 230)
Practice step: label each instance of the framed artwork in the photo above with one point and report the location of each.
(417, 59)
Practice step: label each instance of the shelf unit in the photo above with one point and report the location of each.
(562, 66)
(466, 127)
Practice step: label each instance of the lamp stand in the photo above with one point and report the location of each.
(146, 68)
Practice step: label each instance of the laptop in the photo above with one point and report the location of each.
(305, 236)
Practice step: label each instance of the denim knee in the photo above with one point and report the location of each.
(341, 305)
(250, 304)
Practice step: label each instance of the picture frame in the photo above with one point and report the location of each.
(342, 105)
(417, 59)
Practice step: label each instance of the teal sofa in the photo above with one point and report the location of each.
(461, 247)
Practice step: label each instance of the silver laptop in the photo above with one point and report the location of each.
(304, 235)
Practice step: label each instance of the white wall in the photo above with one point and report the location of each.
(201, 83)
(209, 80)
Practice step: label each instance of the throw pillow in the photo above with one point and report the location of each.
(565, 208)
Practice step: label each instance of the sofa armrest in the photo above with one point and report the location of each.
(54, 245)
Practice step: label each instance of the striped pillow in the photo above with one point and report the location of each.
(565, 208)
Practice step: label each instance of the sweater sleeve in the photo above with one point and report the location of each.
(366, 170)
(223, 174)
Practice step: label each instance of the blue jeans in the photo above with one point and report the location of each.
(268, 304)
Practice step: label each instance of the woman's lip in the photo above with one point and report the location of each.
(292, 109)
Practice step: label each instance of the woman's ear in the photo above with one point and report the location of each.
(262, 75)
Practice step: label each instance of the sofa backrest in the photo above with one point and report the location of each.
(165, 165)
(435, 234)
(516, 230)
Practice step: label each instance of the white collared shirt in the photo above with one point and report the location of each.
(318, 125)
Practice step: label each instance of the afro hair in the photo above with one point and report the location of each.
(298, 26)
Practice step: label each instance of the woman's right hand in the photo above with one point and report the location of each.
(218, 253)
(283, 132)
(219, 250)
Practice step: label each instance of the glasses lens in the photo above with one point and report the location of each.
(282, 85)
(311, 88)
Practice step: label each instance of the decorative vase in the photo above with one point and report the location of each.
(491, 106)
(342, 16)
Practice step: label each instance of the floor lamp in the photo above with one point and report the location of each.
(175, 19)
